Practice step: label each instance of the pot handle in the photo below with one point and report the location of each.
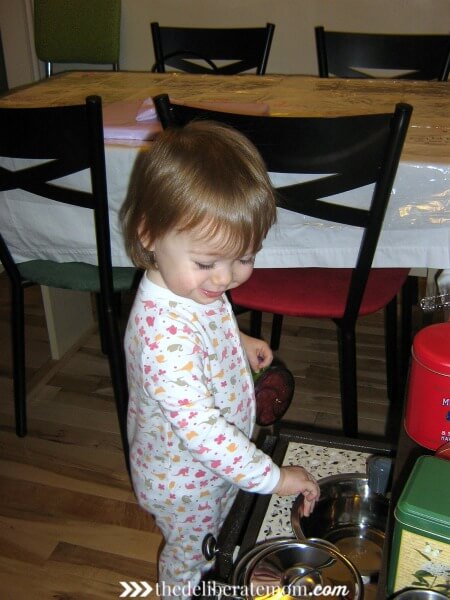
(379, 474)
(209, 547)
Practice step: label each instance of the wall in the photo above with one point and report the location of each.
(293, 49)
(18, 46)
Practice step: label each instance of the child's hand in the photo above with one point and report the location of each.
(258, 352)
(296, 480)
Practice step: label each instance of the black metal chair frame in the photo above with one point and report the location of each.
(343, 54)
(359, 150)
(196, 49)
(71, 139)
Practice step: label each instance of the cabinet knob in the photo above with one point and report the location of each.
(209, 547)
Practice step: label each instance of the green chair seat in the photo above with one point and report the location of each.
(75, 275)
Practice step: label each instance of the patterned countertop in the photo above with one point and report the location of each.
(320, 461)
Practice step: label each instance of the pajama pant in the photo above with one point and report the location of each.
(184, 521)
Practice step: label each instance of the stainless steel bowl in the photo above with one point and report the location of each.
(352, 518)
(287, 568)
(418, 594)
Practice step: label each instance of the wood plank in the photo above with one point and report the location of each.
(123, 541)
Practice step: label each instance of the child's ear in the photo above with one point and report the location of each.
(145, 237)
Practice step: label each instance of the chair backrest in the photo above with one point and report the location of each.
(346, 54)
(350, 152)
(69, 140)
(197, 50)
(77, 31)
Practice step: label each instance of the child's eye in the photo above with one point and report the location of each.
(247, 261)
(204, 266)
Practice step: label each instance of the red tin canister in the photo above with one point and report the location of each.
(427, 419)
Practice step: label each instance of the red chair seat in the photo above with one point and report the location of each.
(315, 292)
(349, 152)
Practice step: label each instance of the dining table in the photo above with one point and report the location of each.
(416, 229)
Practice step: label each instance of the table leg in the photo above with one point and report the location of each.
(69, 317)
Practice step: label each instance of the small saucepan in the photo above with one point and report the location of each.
(287, 569)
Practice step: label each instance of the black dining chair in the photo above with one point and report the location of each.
(199, 49)
(401, 56)
(388, 55)
(67, 140)
(77, 31)
(341, 154)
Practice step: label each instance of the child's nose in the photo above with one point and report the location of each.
(222, 277)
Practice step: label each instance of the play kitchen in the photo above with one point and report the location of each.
(267, 549)
(381, 528)
(361, 541)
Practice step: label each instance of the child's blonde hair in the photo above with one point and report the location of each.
(204, 174)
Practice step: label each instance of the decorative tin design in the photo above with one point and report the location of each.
(423, 562)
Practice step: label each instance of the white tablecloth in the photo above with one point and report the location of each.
(416, 231)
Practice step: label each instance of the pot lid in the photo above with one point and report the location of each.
(431, 347)
(296, 569)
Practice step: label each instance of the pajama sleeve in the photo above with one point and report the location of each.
(184, 389)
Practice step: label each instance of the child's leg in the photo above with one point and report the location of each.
(184, 520)
(181, 563)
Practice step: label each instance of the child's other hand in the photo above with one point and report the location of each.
(296, 480)
(258, 352)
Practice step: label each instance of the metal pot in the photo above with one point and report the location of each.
(287, 569)
(351, 516)
(417, 594)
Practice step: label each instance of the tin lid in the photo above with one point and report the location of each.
(424, 503)
(431, 347)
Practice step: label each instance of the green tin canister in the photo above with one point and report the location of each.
(420, 555)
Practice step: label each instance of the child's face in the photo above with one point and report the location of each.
(196, 268)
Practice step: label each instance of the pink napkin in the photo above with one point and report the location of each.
(147, 111)
(120, 120)
(137, 119)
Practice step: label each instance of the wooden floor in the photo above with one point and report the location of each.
(70, 525)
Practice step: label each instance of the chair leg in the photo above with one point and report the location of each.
(102, 326)
(348, 385)
(18, 350)
(117, 367)
(391, 351)
(275, 338)
(408, 299)
(393, 374)
(255, 323)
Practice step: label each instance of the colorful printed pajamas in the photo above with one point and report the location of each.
(191, 414)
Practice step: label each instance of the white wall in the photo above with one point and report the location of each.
(18, 45)
(293, 49)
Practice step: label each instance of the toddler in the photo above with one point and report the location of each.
(199, 207)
